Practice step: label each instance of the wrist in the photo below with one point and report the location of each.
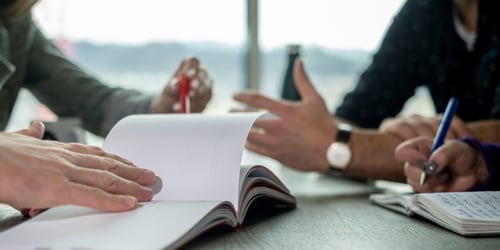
(338, 153)
(484, 170)
(482, 173)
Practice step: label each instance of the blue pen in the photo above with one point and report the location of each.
(442, 131)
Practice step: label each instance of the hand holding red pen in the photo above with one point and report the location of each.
(174, 95)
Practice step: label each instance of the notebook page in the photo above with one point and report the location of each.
(396, 202)
(465, 205)
(197, 156)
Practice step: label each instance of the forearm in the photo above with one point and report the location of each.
(69, 91)
(486, 130)
(373, 156)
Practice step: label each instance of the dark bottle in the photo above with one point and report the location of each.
(289, 91)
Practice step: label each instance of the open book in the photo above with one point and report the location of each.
(465, 213)
(197, 157)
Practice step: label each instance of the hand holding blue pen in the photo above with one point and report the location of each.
(442, 131)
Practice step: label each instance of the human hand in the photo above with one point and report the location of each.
(465, 167)
(302, 133)
(200, 95)
(417, 125)
(42, 174)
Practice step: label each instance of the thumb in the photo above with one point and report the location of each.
(302, 82)
(36, 130)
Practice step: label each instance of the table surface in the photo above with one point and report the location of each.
(332, 213)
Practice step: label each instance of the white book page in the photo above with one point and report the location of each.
(154, 225)
(483, 206)
(396, 202)
(197, 156)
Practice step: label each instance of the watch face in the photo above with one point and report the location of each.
(338, 155)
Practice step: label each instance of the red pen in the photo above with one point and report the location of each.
(184, 90)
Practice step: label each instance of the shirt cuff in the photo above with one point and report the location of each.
(477, 145)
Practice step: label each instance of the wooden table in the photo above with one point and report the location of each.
(341, 219)
(332, 213)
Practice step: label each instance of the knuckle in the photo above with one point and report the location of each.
(77, 147)
(253, 97)
(192, 60)
(98, 151)
(112, 165)
(109, 180)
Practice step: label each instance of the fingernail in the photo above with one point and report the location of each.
(174, 81)
(176, 107)
(431, 168)
(421, 163)
(149, 192)
(195, 83)
(148, 174)
(190, 72)
(173, 85)
(131, 201)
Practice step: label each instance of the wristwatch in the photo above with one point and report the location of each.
(339, 153)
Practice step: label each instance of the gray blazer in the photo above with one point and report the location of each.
(29, 60)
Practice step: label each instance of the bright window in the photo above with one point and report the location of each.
(139, 44)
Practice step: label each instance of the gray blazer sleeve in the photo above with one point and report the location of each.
(69, 91)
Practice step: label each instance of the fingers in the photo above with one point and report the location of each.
(413, 175)
(36, 130)
(259, 149)
(452, 167)
(259, 101)
(416, 125)
(97, 158)
(448, 154)
(109, 183)
(410, 127)
(93, 150)
(458, 128)
(200, 89)
(83, 195)
(264, 132)
(262, 137)
(189, 67)
(414, 149)
(403, 130)
(302, 82)
(141, 176)
(258, 139)
(424, 127)
(186, 65)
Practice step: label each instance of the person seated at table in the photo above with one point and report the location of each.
(450, 46)
(38, 174)
(456, 166)
(29, 60)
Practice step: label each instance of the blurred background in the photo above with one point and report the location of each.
(243, 43)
